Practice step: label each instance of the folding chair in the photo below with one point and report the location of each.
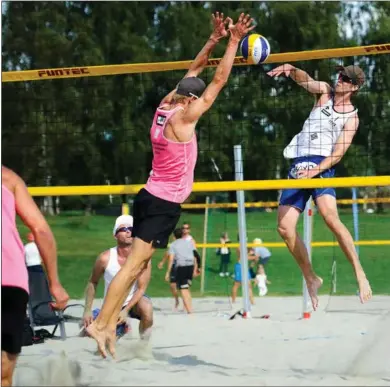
(39, 309)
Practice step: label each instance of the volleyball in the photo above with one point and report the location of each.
(255, 48)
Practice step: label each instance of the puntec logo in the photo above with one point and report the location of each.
(215, 62)
(61, 72)
(378, 48)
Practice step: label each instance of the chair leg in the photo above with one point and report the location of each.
(62, 326)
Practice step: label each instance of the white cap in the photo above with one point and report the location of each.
(123, 219)
(257, 241)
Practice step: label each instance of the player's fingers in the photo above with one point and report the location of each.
(230, 22)
(240, 17)
(221, 16)
(251, 28)
(249, 22)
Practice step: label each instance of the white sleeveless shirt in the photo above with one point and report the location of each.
(111, 270)
(319, 133)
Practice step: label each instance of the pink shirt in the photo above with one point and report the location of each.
(14, 271)
(173, 165)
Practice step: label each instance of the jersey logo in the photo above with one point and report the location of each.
(160, 120)
(314, 136)
(325, 111)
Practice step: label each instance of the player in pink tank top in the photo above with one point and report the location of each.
(156, 208)
(14, 278)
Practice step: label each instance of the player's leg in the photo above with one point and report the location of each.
(287, 227)
(175, 294)
(184, 280)
(103, 329)
(143, 311)
(13, 313)
(327, 207)
(173, 287)
(235, 287)
(8, 363)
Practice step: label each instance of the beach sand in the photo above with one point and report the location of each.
(344, 344)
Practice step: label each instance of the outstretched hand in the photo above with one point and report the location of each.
(241, 28)
(219, 26)
(280, 70)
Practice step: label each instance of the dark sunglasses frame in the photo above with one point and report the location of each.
(121, 229)
(346, 79)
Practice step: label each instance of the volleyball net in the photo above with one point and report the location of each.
(80, 138)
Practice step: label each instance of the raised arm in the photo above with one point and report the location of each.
(171, 257)
(201, 105)
(340, 148)
(302, 78)
(90, 290)
(201, 60)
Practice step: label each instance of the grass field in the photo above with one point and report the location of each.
(81, 238)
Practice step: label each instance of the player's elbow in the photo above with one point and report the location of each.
(220, 80)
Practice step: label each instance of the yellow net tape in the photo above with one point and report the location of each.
(94, 71)
(220, 186)
(193, 206)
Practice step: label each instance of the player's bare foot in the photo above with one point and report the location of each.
(99, 336)
(365, 292)
(111, 341)
(312, 286)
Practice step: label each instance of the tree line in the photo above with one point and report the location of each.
(95, 130)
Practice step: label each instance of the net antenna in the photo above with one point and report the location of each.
(215, 168)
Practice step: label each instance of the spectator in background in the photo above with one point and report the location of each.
(186, 230)
(224, 255)
(262, 254)
(172, 278)
(31, 252)
(238, 281)
(261, 281)
(181, 253)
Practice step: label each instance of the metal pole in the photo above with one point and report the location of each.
(205, 226)
(239, 172)
(307, 238)
(355, 212)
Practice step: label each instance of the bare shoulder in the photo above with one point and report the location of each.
(181, 128)
(10, 179)
(323, 99)
(103, 258)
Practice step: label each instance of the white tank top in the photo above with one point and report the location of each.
(319, 133)
(111, 270)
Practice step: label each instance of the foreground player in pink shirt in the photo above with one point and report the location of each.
(14, 278)
(156, 208)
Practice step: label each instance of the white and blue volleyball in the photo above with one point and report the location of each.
(255, 48)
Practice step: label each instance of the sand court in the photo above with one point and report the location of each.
(344, 343)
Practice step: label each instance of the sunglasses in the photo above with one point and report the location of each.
(124, 229)
(346, 79)
(185, 228)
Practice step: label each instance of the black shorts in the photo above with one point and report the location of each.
(154, 218)
(252, 273)
(13, 313)
(172, 275)
(184, 276)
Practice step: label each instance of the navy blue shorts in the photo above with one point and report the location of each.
(263, 261)
(298, 197)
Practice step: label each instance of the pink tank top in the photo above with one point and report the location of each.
(173, 165)
(14, 271)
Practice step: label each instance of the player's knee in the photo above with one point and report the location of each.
(285, 231)
(332, 220)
